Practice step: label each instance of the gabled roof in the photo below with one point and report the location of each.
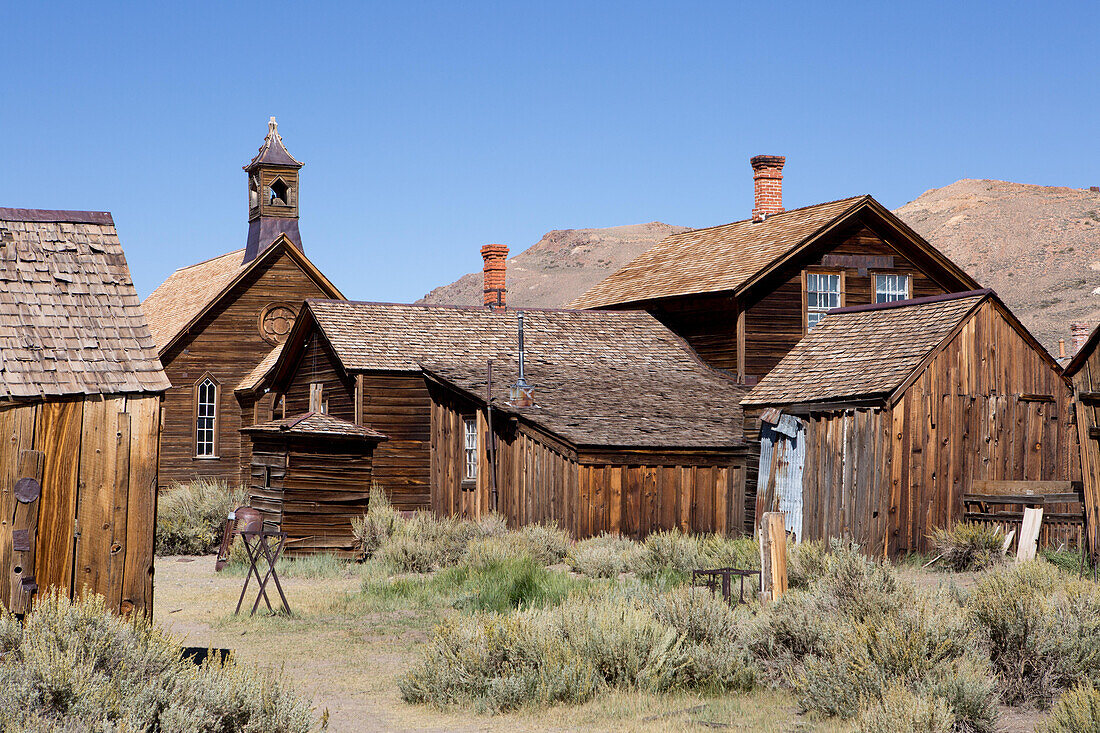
(870, 351)
(255, 378)
(316, 424)
(603, 377)
(190, 292)
(733, 256)
(273, 152)
(70, 319)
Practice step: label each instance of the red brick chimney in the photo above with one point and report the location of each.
(495, 256)
(767, 177)
(1080, 332)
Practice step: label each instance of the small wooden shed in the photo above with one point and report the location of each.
(311, 475)
(80, 399)
(883, 416)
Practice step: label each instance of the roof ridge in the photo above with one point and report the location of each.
(207, 261)
(913, 301)
(771, 216)
(57, 216)
(481, 308)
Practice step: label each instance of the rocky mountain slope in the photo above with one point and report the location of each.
(1037, 246)
(561, 266)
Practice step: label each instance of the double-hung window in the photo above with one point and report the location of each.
(206, 418)
(890, 288)
(469, 438)
(822, 295)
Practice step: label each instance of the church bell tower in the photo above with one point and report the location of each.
(272, 195)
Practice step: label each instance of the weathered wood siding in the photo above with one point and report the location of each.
(987, 406)
(318, 365)
(1086, 384)
(99, 474)
(541, 479)
(227, 344)
(311, 489)
(398, 405)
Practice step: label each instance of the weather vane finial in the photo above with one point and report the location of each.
(272, 126)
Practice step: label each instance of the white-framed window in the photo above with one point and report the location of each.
(469, 436)
(890, 288)
(822, 295)
(206, 418)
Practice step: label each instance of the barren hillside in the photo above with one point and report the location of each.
(1037, 246)
(561, 266)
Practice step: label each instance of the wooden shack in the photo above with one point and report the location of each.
(1084, 372)
(310, 476)
(80, 398)
(365, 362)
(630, 444)
(217, 325)
(883, 417)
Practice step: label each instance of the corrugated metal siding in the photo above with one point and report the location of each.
(784, 443)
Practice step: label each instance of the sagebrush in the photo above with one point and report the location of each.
(191, 516)
(968, 546)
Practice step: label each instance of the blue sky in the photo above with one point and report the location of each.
(429, 129)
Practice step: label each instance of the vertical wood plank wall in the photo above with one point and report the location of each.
(540, 480)
(987, 407)
(99, 475)
(1087, 381)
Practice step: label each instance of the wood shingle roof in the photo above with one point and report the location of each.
(316, 424)
(70, 319)
(601, 377)
(715, 259)
(864, 351)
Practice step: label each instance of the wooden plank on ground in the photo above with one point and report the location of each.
(773, 555)
(1029, 534)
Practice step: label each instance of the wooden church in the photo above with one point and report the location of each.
(217, 322)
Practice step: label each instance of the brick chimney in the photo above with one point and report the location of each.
(1080, 332)
(495, 256)
(767, 178)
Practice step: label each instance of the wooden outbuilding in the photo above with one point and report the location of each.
(365, 362)
(217, 322)
(1084, 372)
(310, 476)
(80, 398)
(882, 418)
(640, 440)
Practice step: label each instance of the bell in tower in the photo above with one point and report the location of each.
(272, 195)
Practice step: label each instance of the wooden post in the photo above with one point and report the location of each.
(773, 555)
(316, 396)
(1029, 534)
(28, 490)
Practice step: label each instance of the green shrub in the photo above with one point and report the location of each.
(374, 528)
(902, 711)
(488, 552)
(968, 546)
(605, 556)
(805, 562)
(511, 583)
(547, 543)
(191, 517)
(565, 654)
(717, 551)
(1076, 711)
(1069, 561)
(76, 662)
(668, 550)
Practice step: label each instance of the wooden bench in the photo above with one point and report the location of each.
(1002, 503)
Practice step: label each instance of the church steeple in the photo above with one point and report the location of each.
(272, 195)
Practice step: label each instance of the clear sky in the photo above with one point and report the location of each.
(429, 129)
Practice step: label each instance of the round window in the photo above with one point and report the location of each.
(275, 322)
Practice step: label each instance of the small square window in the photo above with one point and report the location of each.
(891, 288)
